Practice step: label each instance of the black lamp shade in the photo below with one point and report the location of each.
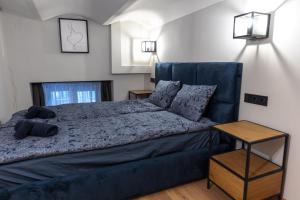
(149, 46)
(253, 25)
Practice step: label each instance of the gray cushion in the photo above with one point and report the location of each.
(164, 93)
(191, 101)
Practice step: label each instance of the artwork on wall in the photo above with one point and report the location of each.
(74, 35)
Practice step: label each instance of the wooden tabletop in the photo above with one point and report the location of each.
(249, 132)
(141, 91)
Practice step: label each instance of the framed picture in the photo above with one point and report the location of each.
(74, 36)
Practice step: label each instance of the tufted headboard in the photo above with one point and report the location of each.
(224, 105)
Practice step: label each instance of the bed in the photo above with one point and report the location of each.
(143, 148)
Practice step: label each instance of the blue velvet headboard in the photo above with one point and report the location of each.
(224, 106)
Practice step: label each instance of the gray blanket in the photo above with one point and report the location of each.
(97, 133)
(72, 112)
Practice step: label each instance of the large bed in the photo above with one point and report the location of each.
(120, 150)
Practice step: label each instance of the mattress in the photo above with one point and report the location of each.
(130, 131)
(99, 133)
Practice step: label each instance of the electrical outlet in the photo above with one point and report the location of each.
(256, 99)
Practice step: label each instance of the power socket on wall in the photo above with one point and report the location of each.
(256, 99)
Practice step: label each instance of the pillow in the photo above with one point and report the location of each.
(164, 93)
(191, 101)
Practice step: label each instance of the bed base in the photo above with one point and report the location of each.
(120, 182)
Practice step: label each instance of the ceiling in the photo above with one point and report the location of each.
(148, 12)
(24, 8)
(158, 12)
(97, 10)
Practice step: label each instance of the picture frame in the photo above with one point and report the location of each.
(74, 35)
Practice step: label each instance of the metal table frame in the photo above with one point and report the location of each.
(246, 179)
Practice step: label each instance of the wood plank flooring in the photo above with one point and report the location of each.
(192, 191)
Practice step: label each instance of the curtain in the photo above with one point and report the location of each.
(106, 91)
(38, 94)
(73, 92)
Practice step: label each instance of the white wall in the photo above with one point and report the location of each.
(271, 67)
(7, 102)
(126, 56)
(33, 55)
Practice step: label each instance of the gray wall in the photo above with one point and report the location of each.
(31, 49)
(271, 67)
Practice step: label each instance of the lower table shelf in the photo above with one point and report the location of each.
(228, 172)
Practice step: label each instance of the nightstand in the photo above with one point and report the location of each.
(139, 94)
(242, 174)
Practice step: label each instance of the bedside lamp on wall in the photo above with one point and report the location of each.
(149, 46)
(252, 26)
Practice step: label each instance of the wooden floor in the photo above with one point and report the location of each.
(193, 191)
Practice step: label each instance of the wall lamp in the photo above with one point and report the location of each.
(252, 26)
(149, 46)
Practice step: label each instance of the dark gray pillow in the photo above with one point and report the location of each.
(164, 93)
(191, 101)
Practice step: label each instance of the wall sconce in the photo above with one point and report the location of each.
(252, 26)
(149, 46)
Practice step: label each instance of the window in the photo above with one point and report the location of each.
(67, 93)
(59, 97)
(86, 96)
